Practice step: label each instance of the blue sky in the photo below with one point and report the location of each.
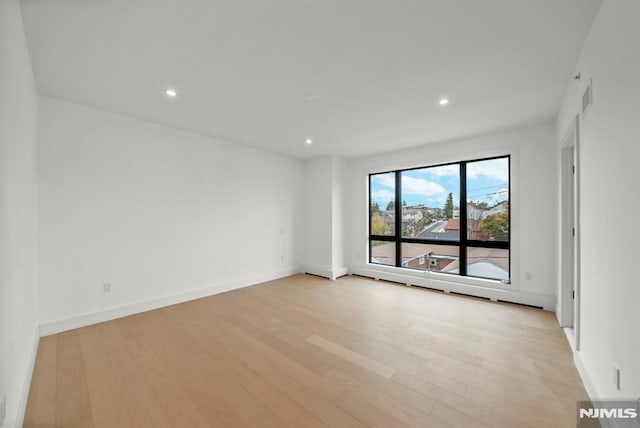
(486, 181)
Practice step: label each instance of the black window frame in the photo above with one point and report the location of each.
(463, 243)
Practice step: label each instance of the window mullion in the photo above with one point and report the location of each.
(462, 257)
(398, 210)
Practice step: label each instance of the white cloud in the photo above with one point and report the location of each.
(387, 180)
(439, 199)
(441, 171)
(420, 186)
(383, 195)
(497, 169)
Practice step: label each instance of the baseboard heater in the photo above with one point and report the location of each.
(428, 288)
(469, 295)
(521, 304)
(392, 282)
(451, 292)
(362, 276)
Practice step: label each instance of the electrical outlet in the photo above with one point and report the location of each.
(528, 276)
(616, 377)
(3, 410)
(106, 287)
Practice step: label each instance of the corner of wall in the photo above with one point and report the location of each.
(18, 214)
(31, 362)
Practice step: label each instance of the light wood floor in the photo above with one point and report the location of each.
(307, 352)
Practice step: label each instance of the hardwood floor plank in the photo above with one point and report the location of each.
(314, 402)
(210, 400)
(252, 410)
(456, 419)
(163, 374)
(200, 379)
(107, 405)
(73, 407)
(387, 387)
(354, 357)
(487, 415)
(41, 408)
(144, 409)
(279, 403)
(400, 409)
(371, 415)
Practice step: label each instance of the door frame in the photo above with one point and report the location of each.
(570, 232)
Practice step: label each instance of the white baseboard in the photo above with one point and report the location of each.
(441, 282)
(586, 379)
(589, 386)
(147, 305)
(337, 273)
(582, 370)
(329, 273)
(570, 335)
(315, 270)
(26, 386)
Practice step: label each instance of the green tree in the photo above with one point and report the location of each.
(375, 208)
(496, 226)
(391, 205)
(404, 203)
(447, 211)
(378, 225)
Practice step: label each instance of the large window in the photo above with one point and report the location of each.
(451, 218)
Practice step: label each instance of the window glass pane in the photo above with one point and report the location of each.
(430, 203)
(426, 257)
(492, 263)
(383, 252)
(382, 199)
(488, 200)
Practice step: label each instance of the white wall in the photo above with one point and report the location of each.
(609, 158)
(18, 211)
(160, 214)
(339, 207)
(325, 212)
(533, 212)
(318, 216)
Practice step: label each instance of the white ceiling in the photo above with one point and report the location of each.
(244, 68)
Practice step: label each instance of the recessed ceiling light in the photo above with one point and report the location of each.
(308, 141)
(171, 93)
(443, 101)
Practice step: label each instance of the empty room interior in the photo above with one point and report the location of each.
(318, 213)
